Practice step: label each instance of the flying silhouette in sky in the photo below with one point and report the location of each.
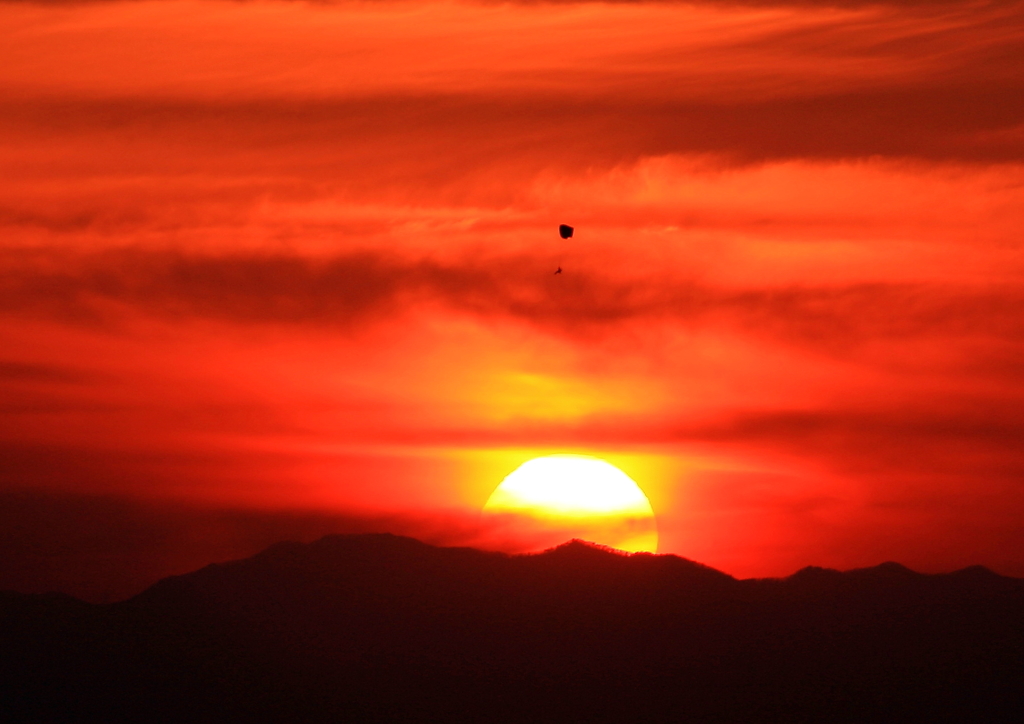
(564, 231)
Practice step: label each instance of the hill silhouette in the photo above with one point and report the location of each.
(380, 628)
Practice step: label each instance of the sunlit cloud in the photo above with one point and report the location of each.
(288, 256)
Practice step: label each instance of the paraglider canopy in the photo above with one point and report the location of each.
(565, 231)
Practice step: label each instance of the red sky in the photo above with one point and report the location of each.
(274, 269)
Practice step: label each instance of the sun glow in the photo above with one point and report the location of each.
(556, 497)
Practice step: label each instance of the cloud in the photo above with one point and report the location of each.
(362, 287)
(797, 242)
(949, 436)
(931, 81)
(15, 371)
(444, 136)
(725, 3)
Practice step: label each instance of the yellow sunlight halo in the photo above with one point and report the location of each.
(551, 499)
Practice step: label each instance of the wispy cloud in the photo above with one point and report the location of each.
(342, 290)
(273, 253)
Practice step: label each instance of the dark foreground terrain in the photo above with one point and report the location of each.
(378, 628)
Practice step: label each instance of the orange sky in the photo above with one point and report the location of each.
(296, 258)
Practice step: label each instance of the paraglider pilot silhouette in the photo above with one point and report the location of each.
(564, 231)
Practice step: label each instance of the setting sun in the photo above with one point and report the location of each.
(557, 497)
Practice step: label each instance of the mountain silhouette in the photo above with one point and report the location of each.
(380, 628)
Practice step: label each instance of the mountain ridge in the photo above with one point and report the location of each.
(580, 551)
(382, 628)
(575, 548)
